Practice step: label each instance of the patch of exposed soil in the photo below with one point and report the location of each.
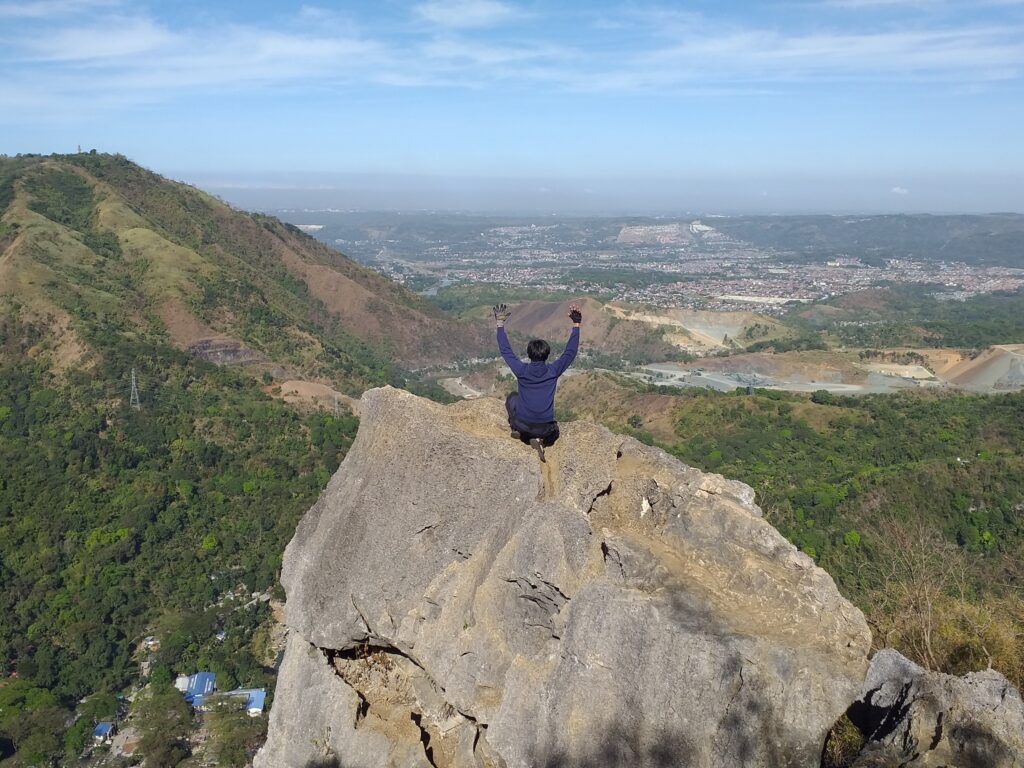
(184, 328)
(999, 368)
(225, 351)
(604, 328)
(550, 320)
(694, 329)
(311, 394)
(788, 366)
(487, 381)
(69, 350)
(940, 360)
(458, 387)
(895, 369)
(417, 336)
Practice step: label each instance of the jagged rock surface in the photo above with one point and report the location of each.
(918, 719)
(454, 602)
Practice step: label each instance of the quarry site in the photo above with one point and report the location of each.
(716, 340)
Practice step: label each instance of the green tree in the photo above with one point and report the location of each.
(164, 719)
(235, 735)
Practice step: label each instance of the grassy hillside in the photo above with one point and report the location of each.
(94, 244)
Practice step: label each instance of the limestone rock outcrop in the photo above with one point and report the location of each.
(454, 602)
(913, 718)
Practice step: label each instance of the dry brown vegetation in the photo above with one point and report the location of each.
(923, 602)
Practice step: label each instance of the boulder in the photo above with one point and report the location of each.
(913, 718)
(454, 602)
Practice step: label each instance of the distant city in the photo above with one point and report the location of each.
(692, 263)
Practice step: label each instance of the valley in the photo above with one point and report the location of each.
(801, 304)
(271, 496)
(719, 263)
(128, 527)
(705, 349)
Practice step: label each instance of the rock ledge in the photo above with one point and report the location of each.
(454, 602)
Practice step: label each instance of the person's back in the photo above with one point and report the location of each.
(531, 410)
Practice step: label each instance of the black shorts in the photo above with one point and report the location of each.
(547, 432)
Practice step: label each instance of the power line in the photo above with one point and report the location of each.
(134, 401)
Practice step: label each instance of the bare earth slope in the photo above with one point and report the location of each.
(997, 368)
(699, 330)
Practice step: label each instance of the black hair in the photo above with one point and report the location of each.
(538, 350)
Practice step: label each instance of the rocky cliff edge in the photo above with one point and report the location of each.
(454, 602)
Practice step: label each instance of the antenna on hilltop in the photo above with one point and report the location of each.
(134, 401)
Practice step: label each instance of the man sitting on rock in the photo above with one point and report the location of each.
(531, 410)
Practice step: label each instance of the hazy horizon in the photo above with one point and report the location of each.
(612, 105)
(601, 197)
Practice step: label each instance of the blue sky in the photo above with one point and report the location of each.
(793, 105)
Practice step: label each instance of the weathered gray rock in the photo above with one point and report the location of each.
(920, 719)
(611, 607)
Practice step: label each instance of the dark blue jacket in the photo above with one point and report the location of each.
(537, 380)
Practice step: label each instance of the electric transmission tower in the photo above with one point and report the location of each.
(134, 401)
(337, 410)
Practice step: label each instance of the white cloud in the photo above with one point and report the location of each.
(465, 14)
(764, 56)
(109, 57)
(900, 191)
(48, 9)
(112, 39)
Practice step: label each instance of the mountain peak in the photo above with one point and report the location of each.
(449, 590)
(94, 247)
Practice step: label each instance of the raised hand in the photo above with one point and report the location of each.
(575, 314)
(501, 314)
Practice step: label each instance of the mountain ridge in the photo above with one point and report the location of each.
(99, 234)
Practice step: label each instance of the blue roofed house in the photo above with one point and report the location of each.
(255, 698)
(103, 733)
(196, 687)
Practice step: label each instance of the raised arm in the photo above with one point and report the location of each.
(501, 314)
(573, 345)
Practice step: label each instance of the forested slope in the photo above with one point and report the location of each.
(913, 315)
(116, 521)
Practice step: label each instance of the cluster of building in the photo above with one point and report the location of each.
(714, 272)
(199, 687)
